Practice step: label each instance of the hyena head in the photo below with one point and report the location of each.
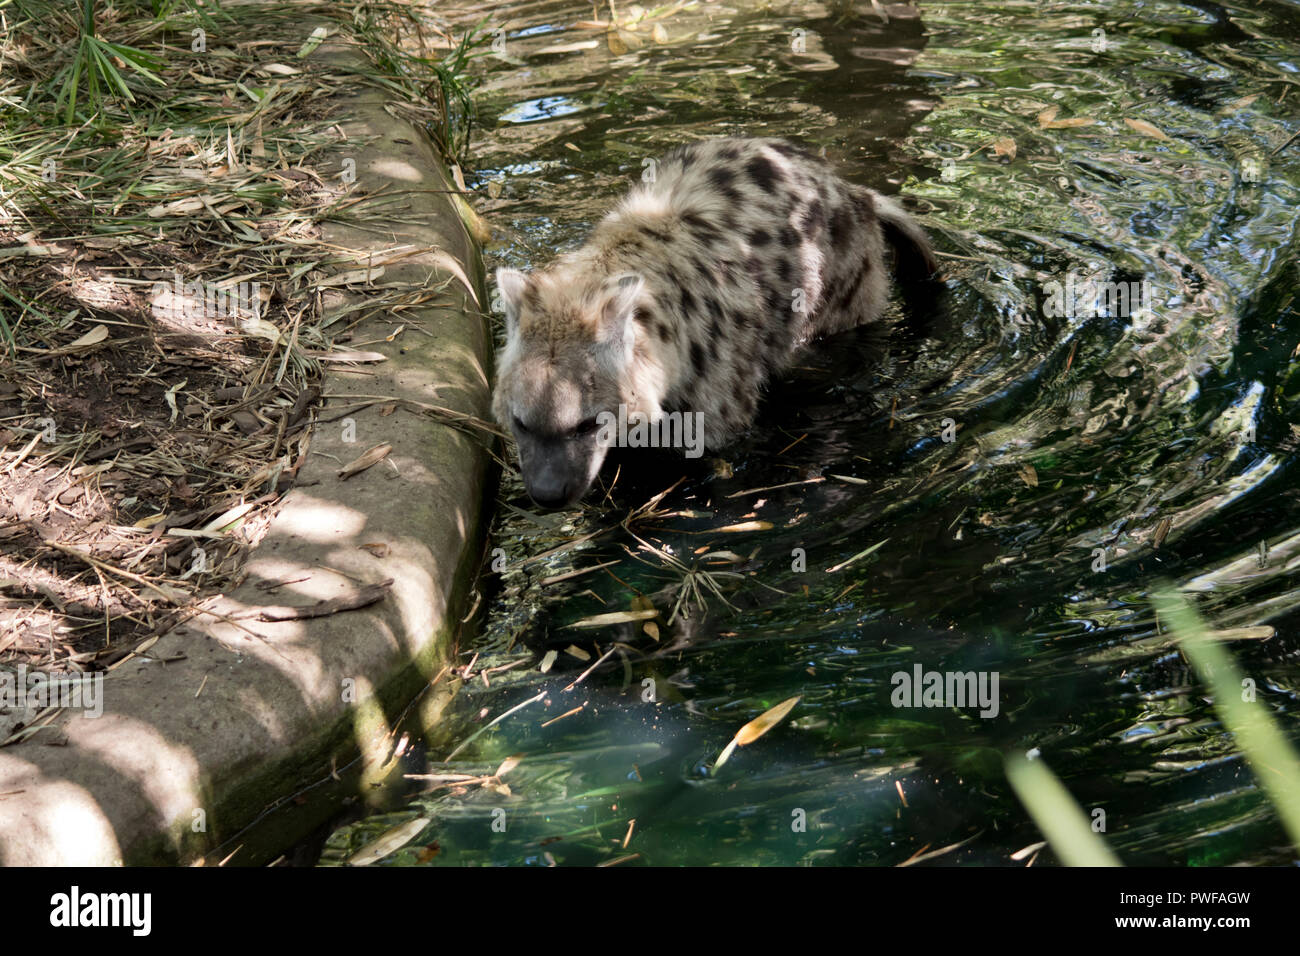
(570, 346)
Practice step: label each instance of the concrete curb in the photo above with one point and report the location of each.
(189, 752)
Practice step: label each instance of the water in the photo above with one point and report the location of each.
(1092, 457)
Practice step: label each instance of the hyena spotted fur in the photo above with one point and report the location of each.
(689, 296)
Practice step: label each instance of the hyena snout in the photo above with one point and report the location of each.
(557, 473)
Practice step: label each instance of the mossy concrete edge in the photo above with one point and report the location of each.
(228, 715)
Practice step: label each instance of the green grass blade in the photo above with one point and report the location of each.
(1266, 749)
(1057, 814)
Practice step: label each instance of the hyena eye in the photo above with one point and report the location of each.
(587, 427)
(520, 426)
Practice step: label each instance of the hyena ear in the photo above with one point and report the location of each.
(618, 305)
(511, 284)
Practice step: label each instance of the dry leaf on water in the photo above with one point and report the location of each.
(615, 617)
(1260, 632)
(1145, 128)
(861, 554)
(508, 764)
(388, 842)
(567, 48)
(745, 526)
(1047, 120)
(756, 728)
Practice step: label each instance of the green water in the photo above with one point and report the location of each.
(1162, 442)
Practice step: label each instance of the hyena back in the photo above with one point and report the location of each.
(689, 296)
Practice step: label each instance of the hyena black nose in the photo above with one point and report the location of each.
(548, 495)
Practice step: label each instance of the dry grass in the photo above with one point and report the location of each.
(149, 425)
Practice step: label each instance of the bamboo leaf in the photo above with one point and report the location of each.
(388, 842)
(615, 617)
(765, 722)
(361, 463)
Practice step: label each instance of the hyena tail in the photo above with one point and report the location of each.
(914, 260)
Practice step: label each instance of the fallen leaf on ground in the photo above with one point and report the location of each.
(373, 456)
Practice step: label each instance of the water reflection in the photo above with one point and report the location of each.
(1032, 472)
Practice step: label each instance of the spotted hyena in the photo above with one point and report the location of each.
(687, 298)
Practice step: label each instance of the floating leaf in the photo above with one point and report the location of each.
(1237, 106)
(1261, 632)
(861, 554)
(1070, 123)
(765, 722)
(756, 728)
(746, 526)
(1145, 128)
(568, 47)
(615, 617)
(388, 842)
(1006, 146)
(508, 764)
(1047, 120)
(730, 556)
(1029, 475)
